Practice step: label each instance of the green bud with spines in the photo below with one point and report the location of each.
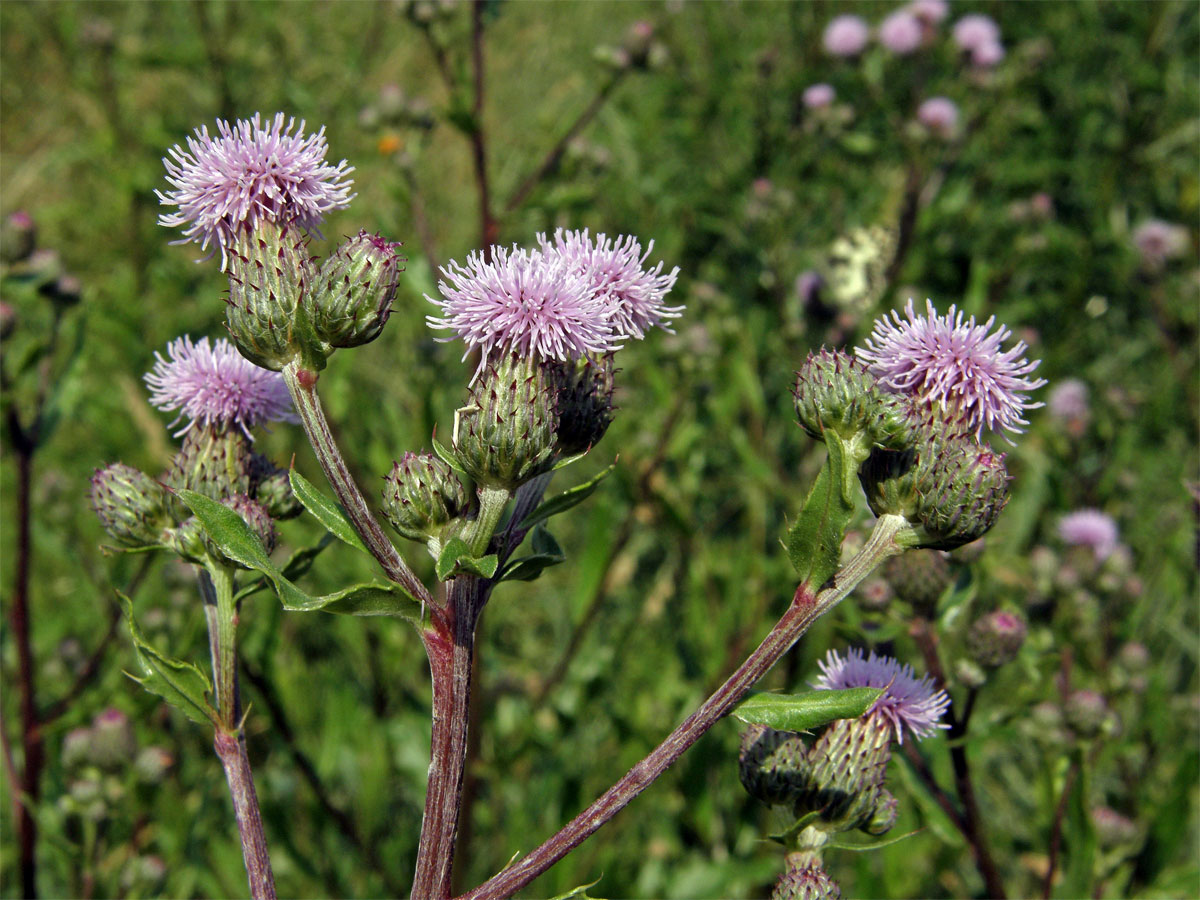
(131, 505)
(845, 775)
(808, 881)
(886, 813)
(771, 764)
(836, 392)
(505, 435)
(270, 278)
(995, 639)
(271, 487)
(919, 577)
(354, 289)
(188, 540)
(213, 461)
(584, 402)
(421, 496)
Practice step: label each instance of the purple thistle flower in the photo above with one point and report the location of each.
(929, 11)
(616, 270)
(987, 54)
(900, 32)
(1090, 528)
(957, 364)
(1157, 241)
(939, 115)
(907, 700)
(1068, 400)
(975, 30)
(846, 36)
(251, 174)
(525, 303)
(818, 96)
(216, 385)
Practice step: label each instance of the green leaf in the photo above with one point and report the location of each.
(873, 845)
(814, 542)
(579, 893)
(364, 600)
(786, 837)
(297, 565)
(1080, 835)
(801, 712)
(179, 683)
(565, 500)
(324, 510)
(456, 558)
(228, 531)
(546, 553)
(448, 457)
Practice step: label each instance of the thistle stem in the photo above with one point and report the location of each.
(231, 750)
(449, 644)
(805, 609)
(302, 385)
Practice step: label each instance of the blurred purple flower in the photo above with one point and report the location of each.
(929, 11)
(216, 385)
(908, 701)
(818, 96)
(523, 302)
(975, 30)
(251, 174)
(957, 364)
(1068, 400)
(939, 115)
(1090, 528)
(846, 36)
(900, 32)
(617, 272)
(987, 55)
(1157, 241)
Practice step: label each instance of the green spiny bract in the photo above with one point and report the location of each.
(270, 276)
(845, 774)
(835, 392)
(421, 495)
(770, 764)
(213, 461)
(584, 402)
(505, 435)
(131, 505)
(353, 291)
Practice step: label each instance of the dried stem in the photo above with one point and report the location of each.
(302, 385)
(804, 609)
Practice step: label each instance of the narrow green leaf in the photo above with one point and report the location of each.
(1080, 834)
(801, 712)
(179, 683)
(873, 845)
(565, 500)
(814, 542)
(449, 458)
(546, 553)
(579, 893)
(228, 531)
(324, 510)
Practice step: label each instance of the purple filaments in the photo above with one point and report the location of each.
(907, 702)
(1090, 528)
(250, 174)
(617, 269)
(955, 363)
(213, 384)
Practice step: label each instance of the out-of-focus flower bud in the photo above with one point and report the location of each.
(131, 505)
(919, 577)
(64, 291)
(142, 875)
(771, 764)
(1086, 713)
(152, 765)
(874, 594)
(113, 742)
(1112, 828)
(421, 495)
(353, 292)
(969, 673)
(995, 639)
(76, 747)
(18, 237)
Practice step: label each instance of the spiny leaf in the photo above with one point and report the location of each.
(179, 683)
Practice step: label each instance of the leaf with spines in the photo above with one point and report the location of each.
(803, 712)
(180, 683)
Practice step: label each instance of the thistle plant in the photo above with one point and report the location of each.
(903, 418)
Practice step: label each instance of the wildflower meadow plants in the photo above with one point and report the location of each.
(542, 325)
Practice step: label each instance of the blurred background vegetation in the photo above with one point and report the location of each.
(699, 139)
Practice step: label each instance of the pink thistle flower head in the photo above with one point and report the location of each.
(975, 30)
(956, 364)
(213, 384)
(617, 271)
(987, 55)
(939, 115)
(248, 174)
(1090, 528)
(1157, 241)
(846, 36)
(525, 303)
(1068, 400)
(907, 701)
(900, 32)
(818, 96)
(929, 11)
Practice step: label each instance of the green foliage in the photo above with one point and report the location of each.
(675, 567)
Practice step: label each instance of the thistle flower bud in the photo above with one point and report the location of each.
(254, 515)
(354, 290)
(807, 882)
(18, 237)
(188, 540)
(421, 495)
(886, 813)
(506, 433)
(584, 402)
(1086, 713)
(152, 765)
(213, 461)
(771, 764)
(845, 773)
(995, 639)
(835, 391)
(919, 577)
(1112, 828)
(113, 744)
(272, 488)
(131, 505)
(270, 275)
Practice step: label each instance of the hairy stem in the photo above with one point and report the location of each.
(805, 609)
(450, 646)
(231, 749)
(302, 385)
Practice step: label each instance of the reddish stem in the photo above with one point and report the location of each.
(232, 752)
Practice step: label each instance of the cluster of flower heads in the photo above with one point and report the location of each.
(213, 384)
(251, 173)
(907, 702)
(573, 297)
(912, 26)
(957, 364)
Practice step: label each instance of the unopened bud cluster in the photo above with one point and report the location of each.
(422, 495)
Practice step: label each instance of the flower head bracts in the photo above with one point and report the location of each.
(956, 364)
(215, 385)
(249, 174)
(618, 269)
(525, 303)
(908, 701)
